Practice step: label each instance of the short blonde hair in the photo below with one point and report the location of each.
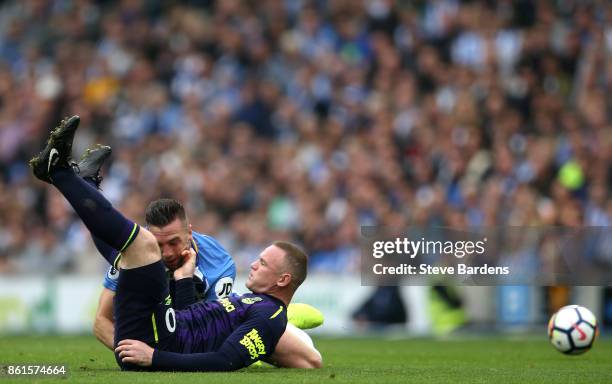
(296, 262)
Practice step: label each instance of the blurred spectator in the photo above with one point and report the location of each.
(306, 119)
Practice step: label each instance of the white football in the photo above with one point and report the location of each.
(572, 330)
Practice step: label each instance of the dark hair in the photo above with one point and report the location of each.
(162, 212)
(296, 261)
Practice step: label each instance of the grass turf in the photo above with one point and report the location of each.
(473, 360)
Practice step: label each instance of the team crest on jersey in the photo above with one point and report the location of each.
(251, 300)
(253, 344)
(113, 273)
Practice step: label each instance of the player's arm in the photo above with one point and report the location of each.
(139, 353)
(247, 344)
(223, 283)
(225, 359)
(104, 325)
(295, 349)
(184, 294)
(251, 341)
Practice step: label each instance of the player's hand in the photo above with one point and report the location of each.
(135, 352)
(188, 267)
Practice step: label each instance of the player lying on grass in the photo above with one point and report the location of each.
(221, 335)
(167, 221)
(212, 279)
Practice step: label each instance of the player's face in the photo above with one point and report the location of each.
(172, 239)
(266, 270)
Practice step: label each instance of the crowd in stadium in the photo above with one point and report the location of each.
(304, 120)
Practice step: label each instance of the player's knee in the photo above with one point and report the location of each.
(144, 250)
(147, 241)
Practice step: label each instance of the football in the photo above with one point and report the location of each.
(572, 330)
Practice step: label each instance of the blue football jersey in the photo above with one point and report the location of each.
(214, 274)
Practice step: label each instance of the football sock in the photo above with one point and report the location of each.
(105, 250)
(97, 213)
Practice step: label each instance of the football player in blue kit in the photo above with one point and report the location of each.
(215, 270)
(221, 335)
(214, 273)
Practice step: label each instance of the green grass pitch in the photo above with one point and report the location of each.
(474, 360)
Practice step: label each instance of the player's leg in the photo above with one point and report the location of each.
(142, 301)
(91, 162)
(295, 349)
(138, 246)
(53, 165)
(88, 168)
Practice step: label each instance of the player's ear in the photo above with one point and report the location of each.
(284, 280)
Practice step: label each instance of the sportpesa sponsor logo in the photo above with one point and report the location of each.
(253, 344)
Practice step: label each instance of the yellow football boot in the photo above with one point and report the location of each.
(304, 316)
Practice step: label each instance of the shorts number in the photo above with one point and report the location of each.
(170, 320)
